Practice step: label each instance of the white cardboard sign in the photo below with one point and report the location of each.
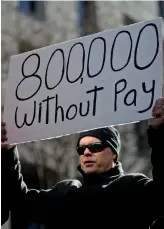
(108, 78)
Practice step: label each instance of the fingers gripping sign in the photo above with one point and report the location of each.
(3, 132)
(4, 138)
(158, 113)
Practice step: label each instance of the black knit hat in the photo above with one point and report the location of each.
(109, 135)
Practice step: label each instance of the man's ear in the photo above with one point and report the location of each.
(114, 156)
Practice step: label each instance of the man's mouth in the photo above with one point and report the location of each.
(89, 162)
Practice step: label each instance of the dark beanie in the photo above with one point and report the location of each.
(109, 135)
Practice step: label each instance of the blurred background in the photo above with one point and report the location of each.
(28, 25)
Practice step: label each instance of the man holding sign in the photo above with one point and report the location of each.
(109, 78)
(107, 196)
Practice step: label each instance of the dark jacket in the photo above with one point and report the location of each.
(111, 199)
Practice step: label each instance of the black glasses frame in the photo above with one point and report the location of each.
(93, 147)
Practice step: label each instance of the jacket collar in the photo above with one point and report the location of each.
(103, 178)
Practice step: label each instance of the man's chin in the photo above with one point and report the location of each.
(90, 170)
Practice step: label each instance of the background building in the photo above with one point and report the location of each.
(28, 25)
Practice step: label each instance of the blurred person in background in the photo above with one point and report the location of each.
(107, 197)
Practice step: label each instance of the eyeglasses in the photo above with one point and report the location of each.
(93, 148)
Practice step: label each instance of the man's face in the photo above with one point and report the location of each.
(98, 162)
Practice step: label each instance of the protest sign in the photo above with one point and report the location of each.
(108, 78)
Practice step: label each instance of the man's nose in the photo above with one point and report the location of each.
(87, 152)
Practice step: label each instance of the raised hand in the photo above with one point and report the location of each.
(4, 137)
(158, 113)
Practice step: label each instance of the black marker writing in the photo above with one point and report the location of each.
(52, 106)
(95, 90)
(25, 118)
(58, 107)
(152, 95)
(58, 111)
(65, 66)
(74, 110)
(28, 77)
(82, 67)
(47, 107)
(40, 112)
(112, 51)
(132, 92)
(103, 61)
(54, 74)
(137, 44)
(116, 91)
(81, 109)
